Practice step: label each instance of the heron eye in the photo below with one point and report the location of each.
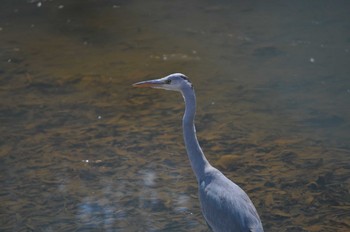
(167, 81)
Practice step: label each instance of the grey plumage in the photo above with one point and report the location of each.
(225, 206)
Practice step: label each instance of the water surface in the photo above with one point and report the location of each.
(81, 150)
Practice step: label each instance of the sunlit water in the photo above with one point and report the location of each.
(80, 150)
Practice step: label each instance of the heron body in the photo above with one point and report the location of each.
(225, 206)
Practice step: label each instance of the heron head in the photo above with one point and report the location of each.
(175, 82)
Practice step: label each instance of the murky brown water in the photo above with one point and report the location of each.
(80, 150)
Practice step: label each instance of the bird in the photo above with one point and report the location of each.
(224, 205)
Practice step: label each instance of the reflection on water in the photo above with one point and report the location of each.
(82, 151)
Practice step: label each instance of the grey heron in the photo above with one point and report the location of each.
(225, 206)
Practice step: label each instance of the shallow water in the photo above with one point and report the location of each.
(81, 150)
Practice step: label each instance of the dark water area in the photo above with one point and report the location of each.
(81, 150)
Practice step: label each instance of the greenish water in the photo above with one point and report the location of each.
(81, 150)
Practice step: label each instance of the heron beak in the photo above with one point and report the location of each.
(149, 84)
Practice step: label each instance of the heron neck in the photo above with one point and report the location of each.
(194, 151)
